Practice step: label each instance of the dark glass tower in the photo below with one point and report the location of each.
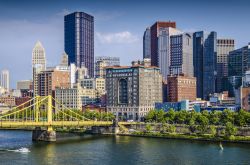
(205, 60)
(79, 40)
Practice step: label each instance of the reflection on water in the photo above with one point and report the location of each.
(106, 150)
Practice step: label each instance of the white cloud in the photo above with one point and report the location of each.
(124, 37)
(63, 12)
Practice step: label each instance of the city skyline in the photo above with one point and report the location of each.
(119, 27)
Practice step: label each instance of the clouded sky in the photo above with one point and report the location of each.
(119, 26)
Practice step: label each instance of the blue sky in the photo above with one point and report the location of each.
(119, 26)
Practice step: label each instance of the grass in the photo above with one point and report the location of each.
(207, 137)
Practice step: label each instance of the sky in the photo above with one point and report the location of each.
(119, 26)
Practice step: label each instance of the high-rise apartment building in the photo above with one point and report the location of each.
(181, 54)
(204, 60)
(224, 46)
(154, 34)
(181, 88)
(133, 90)
(103, 61)
(5, 80)
(38, 64)
(147, 44)
(79, 40)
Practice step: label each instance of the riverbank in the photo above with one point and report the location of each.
(205, 137)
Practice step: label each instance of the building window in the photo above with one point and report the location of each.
(123, 91)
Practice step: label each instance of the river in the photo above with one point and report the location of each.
(119, 150)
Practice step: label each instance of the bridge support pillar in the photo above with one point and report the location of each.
(43, 135)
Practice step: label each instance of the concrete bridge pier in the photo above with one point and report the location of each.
(43, 135)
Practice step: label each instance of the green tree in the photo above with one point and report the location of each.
(213, 130)
(230, 130)
(202, 120)
(148, 128)
(160, 116)
(241, 118)
(191, 117)
(214, 117)
(170, 116)
(151, 116)
(227, 116)
(181, 116)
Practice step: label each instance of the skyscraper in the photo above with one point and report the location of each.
(147, 44)
(163, 59)
(224, 46)
(5, 80)
(38, 64)
(205, 59)
(154, 33)
(181, 54)
(238, 64)
(79, 40)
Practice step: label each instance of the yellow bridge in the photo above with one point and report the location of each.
(40, 112)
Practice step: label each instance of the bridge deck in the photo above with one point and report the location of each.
(7, 124)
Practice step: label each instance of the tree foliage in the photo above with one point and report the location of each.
(205, 118)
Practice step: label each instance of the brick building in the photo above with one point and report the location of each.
(180, 88)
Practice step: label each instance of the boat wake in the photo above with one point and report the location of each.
(22, 150)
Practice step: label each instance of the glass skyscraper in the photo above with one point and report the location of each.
(147, 44)
(205, 60)
(79, 40)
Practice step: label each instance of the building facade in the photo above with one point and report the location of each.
(24, 84)
(147, 44)
(79, 40)
(5, 80)
(68, 97)
(224, 46)
(38, 64)
(50, 79)
(204, 60)
(164, 50)
(133, 90)
(154, 34)
(238, 64)
(181, 54)
(103, 61)
(181, 88)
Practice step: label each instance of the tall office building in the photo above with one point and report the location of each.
(38, 64)
(154, 34)
(103, 61)
(181, 54)
(224, 46)
(5, 80)
(204, 60)
(147, 44)
(133, 90)
(163, 60)
(79, 40)
(238, 64)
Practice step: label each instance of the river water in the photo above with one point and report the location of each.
(119, 150)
